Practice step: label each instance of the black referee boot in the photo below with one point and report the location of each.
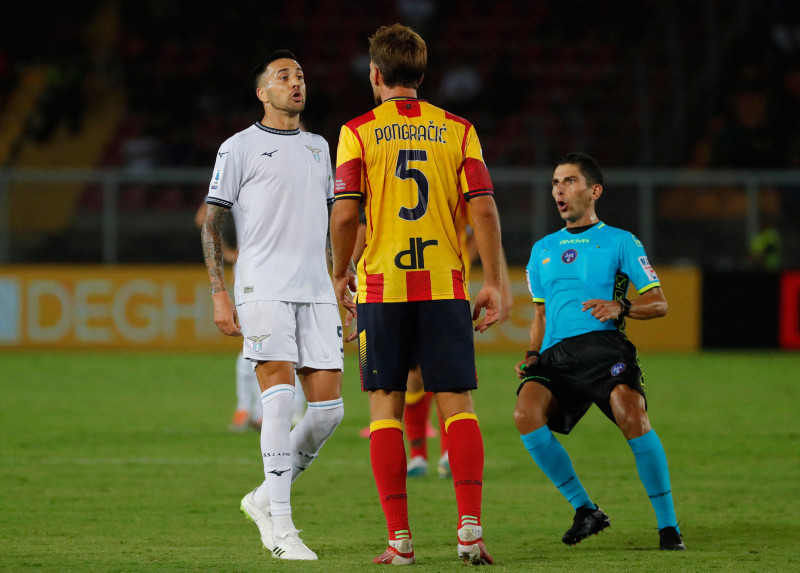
(585, 523)
(670, 540)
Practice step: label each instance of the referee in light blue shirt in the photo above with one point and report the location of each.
(579, 354)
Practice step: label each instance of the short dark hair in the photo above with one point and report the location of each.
(400, 54)
(262, 67)
(586, 165)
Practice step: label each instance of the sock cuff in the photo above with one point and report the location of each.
(457, 417)
(326, 405)
(274, 391)
(645, 443)
(537, 437)
(414, 397)
(385, 425)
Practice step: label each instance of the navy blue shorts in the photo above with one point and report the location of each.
(584, 370)
(435, 334)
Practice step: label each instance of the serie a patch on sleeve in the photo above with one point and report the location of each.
(216, 180)
(651, 273)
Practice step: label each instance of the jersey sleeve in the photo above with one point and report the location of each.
(223, 190)
(636, 265)
(532, 276)
(349, 166)
(475, 180)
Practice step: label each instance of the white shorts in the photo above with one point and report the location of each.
(306, 333)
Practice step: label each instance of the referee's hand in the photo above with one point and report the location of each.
(523, 365)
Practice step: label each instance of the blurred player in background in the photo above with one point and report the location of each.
(579, 353)
(277, 181)
(413, 165)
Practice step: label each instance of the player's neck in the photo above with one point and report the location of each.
(401, 92)
(589, 218)
(277, 119)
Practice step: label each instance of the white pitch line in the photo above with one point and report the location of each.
(130, 461)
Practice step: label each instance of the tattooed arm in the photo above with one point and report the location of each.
(211, 237)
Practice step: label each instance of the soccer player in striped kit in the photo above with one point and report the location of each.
(412, 165)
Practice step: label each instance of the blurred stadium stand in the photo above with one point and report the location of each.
(132, 87)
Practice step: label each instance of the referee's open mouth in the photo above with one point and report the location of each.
(562, 206)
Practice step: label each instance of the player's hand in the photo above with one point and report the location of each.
(344, 286)
(353, 331)
(225, 316)
(523, 365)
(490, 299)
(603, 310)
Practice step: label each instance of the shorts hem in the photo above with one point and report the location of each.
(276, 358)
(321, 365)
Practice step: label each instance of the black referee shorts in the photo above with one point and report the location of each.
(436, 334)
(583, 370)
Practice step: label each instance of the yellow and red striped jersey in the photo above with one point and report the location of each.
(413, 165)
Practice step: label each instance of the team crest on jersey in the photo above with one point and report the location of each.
(618, 369)
(651, 273)
(216, 180)
(315, 152)
(257, 340)
(569, 255)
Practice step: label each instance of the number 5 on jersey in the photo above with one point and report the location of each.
(403, 171)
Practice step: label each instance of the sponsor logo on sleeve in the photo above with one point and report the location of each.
(651, 273)
(618, 369)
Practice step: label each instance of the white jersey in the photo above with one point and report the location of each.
(278, 184)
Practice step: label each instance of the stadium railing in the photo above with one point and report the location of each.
(634, 199)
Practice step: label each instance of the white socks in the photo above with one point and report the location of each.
(314, 429)
(287, 454)
(278, 403)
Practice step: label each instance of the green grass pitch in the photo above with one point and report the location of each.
(123, 462)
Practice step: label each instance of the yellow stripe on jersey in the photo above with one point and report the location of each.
(413, 165)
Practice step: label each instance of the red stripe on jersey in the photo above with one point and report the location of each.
(354, 124)
(465, 123)
(477, 176)
(460, 120)
(348, 177)
(375, 288)
(458, 285)
(408, 108)
(418, 285)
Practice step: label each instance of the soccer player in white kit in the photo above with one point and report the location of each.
(278, 183)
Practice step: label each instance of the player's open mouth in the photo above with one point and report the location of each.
(297, 96)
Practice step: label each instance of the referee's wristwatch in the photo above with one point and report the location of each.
(625, 307)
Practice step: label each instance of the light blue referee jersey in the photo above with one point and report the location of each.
(566, 269)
